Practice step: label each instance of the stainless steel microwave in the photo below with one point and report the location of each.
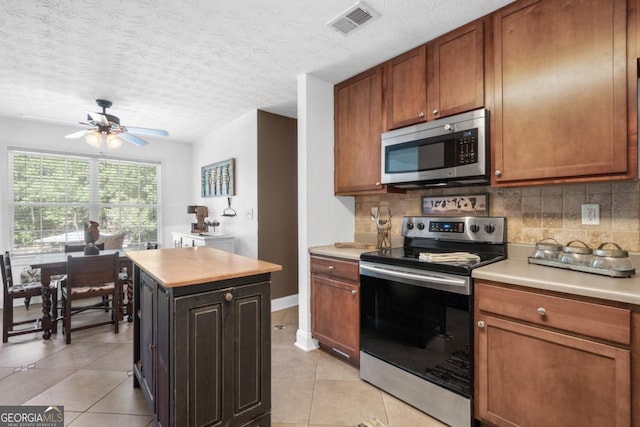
(446, 152)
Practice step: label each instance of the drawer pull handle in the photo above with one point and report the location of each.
(541, 311)
(480, 324)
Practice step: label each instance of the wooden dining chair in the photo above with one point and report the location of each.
(13, 291)
(90, 277)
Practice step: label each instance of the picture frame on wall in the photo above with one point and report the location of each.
(218, 179)
(461, 205)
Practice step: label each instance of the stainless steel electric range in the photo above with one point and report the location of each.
(416, 307)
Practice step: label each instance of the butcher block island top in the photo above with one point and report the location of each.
(175, 267)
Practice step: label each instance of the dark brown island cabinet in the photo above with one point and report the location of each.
(202, 339)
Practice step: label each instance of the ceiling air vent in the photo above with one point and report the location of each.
(352, 18)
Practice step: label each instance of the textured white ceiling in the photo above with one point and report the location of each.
(191, 66)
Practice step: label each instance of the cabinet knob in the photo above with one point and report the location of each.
(151, 347)
(498, 173)
(541, 311)
(435, 112)
(480, 324)
(228, 296)
(421, 114)
(377, 184)
(354, 292)
(331, 268)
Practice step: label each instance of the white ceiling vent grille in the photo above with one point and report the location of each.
(353, 18)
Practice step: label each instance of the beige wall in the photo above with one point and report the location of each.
(533, 213)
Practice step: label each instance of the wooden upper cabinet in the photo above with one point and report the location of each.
(563, 109)
(358, 126)
(455, 71)
(406, 91)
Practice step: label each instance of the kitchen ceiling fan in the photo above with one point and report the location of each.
(106, 128)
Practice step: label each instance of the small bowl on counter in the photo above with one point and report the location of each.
(576, 255)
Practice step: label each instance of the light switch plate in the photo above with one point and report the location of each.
(590, 214)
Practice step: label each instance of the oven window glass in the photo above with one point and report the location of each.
(424, 331)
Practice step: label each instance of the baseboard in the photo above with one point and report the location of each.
(284, 302)
(305, 342)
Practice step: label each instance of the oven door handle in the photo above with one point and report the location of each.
(414, 276)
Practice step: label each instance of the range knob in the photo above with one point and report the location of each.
(475, 228)
(489, 228)
(448, 127)
(409, 225)
(420, 226)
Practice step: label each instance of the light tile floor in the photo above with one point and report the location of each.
(92, 378)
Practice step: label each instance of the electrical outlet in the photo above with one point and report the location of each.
(590, 214)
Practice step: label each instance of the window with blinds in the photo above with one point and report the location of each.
(53, 195)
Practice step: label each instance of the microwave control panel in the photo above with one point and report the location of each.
(467, 147)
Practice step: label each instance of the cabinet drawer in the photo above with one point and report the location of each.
(579, 317)
(331, 267)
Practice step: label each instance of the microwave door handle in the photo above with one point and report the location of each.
(413, 276)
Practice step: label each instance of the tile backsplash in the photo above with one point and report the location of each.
(533, 213)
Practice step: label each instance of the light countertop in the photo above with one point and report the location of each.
(335, 252)
(175, 267)
(517, 271)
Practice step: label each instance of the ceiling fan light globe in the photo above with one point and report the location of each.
(113, 141)
(94, 139)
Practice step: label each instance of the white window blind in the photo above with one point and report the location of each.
(53, 195)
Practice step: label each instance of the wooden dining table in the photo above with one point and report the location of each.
(54, 264)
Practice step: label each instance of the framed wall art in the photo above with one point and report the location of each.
(218, 179)
(472, 205)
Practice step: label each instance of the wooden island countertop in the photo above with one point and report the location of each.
(175, 267)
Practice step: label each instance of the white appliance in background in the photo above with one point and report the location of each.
(225, 242)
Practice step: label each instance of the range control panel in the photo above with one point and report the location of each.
(468, 228)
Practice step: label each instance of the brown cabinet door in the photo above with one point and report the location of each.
(223, 356)
(560, 70)
(406, 91)
(455, 71)
(358, 126)
(335, 316)
(528, 376)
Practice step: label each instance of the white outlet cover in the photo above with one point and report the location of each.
(590, 214)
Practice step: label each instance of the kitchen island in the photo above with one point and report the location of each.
(202, 338)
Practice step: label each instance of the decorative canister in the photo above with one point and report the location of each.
(611, 259)
(549, 249)
(577, 255)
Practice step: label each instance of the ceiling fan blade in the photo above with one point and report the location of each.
(80, 133)
(98, 118)
(133, 139)
(147, 131)
(50, 119)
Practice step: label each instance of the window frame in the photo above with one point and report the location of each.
(95, 206)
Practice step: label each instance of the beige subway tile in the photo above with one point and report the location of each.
(531, 191)
(600, 187)
(625, 186)
(551, 220)
(531, 203)
(532, 219)
(552, 203)
(574, 189)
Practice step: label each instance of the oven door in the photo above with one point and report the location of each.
(420, 322)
